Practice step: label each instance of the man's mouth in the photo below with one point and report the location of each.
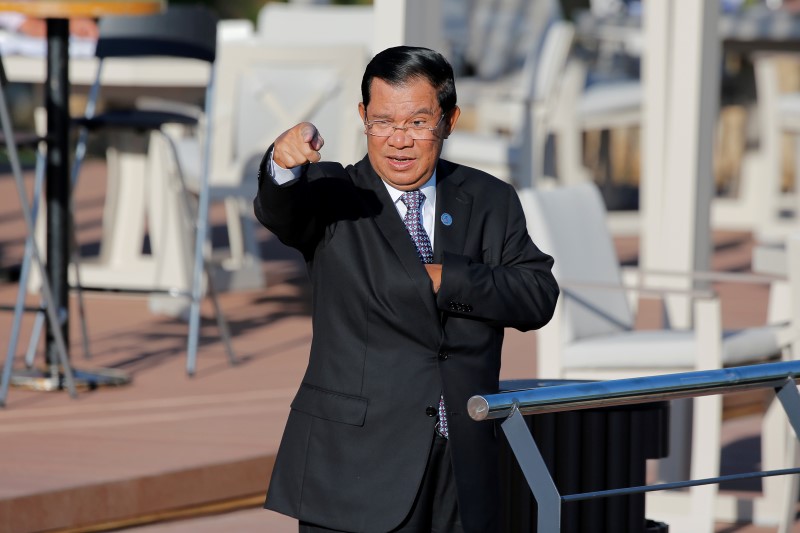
(400, 162)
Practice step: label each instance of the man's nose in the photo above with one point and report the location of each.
(400, 138)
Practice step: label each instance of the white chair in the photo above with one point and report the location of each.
(502, 33)
(569, 107)
(11, 140)
(778, 212)
(592, 335)
(234, 30)
(261, 91)
(187, 33)
(519, 158)
(600, 106)
(281, 24)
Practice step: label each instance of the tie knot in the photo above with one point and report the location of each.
(412, 199)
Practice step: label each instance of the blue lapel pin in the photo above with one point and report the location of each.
(447, 219)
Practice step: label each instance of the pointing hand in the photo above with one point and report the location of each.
(298, 146)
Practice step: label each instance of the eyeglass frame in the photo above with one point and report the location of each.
(368, 124)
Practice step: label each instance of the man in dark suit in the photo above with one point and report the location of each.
(417, 264)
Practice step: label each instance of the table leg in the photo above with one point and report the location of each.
(59, 227)
(58, 180)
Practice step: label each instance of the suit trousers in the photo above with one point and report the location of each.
(435, 509)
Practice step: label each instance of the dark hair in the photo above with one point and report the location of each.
(401, 64)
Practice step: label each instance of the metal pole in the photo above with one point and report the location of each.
(535, 470)
(633, 390)
(58, 179)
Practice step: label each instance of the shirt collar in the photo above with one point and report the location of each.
(429, 190)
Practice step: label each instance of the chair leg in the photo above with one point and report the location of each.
(706, 429)
(76, 254)
(777, 449)
(706, 426)
(52, 312)
(36, 333)
(19, 306)
(791, 488)
(26, 266)
(200, 267)
(80, 156)
(76, 263)
(222, 324)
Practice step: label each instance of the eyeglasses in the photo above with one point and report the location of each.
(419, 129)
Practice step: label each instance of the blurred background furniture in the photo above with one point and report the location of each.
(180, 32)
(519, 156)
(261, 90)
(518, 37)
(235, 29)
(593, 336)
(283, 24)
(778, 215)
(54, 282)
(750, 35)
(11, 140)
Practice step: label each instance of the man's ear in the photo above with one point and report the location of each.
(452, 118)
(362, 111)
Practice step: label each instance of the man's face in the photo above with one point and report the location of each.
(401, 161)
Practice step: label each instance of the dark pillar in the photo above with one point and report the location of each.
(58, 179)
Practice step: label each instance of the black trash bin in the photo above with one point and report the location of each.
(588, 450)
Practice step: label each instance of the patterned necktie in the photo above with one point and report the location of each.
(413, 221)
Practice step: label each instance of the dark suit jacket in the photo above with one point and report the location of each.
(385, 346)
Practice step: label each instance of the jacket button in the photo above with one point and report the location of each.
(443, 356)
(430, 410)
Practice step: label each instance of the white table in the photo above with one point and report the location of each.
(133, 174)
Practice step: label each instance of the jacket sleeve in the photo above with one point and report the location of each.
(519, 292)
(288, 211)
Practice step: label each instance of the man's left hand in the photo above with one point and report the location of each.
(435, 273)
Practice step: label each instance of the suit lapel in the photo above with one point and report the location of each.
(391, 226)
(453, 209)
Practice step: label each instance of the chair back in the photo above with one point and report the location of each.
(546, 64)
(263, 90)
(538, 91)
(234, 30)
(569, 223)
(181, 31)
(317, 25)
(504, 33)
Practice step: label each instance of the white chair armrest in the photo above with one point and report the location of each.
(642, 290)
(728, 277)
(153, 103)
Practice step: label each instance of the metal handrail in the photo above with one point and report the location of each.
(512, 405)
(632, 390)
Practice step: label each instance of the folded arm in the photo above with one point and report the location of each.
(519, 292)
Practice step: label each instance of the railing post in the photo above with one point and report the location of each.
(533, 467)
(790, 400)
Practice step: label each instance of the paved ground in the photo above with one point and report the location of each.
(170, 442)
